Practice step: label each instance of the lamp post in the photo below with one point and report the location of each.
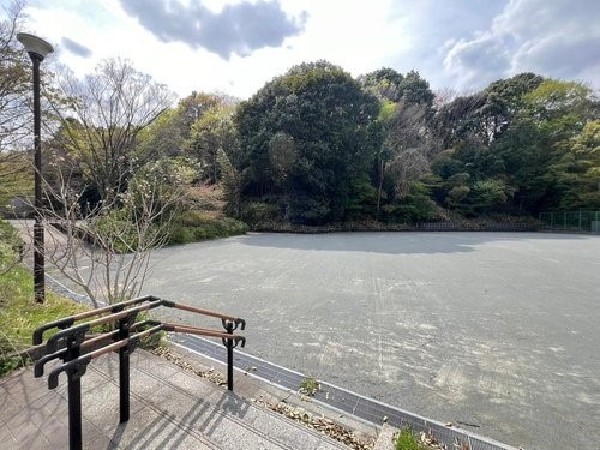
(37, 49)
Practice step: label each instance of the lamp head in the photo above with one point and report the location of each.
(35, 46)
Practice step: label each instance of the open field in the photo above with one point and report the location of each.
(495, 330)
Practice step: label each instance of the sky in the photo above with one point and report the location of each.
(236, 46)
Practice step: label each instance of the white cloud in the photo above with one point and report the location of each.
(454, 43)
(559, 38)
(358, 36)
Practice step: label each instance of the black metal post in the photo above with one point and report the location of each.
(74, 399)
(124, 373)
(38, 229)
(230, 357)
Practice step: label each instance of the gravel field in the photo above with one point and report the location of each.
(488, 329)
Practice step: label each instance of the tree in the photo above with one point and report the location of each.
(106, 113)
(16, 176)
(15, 83)
(388, 84)
(105, 250)
(412, 143)
(212, 132)
(586, 146)
(483, 116)
(383, 83)
(332, 123)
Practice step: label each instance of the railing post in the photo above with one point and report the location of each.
(74, 398)
(124, 372)
(230, 357)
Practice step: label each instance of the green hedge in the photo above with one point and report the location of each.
(192, 226)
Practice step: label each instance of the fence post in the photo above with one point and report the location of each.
(579, 220)
(74, 398)
(230, 357)
(552, 220)
(124, 372)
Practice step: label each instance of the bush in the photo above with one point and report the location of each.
(194, 226)
(308, 211)
(255, 213)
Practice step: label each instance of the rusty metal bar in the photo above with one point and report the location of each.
(80, 329)
(205, 312)
(53, 340)
(75, 364)
(84, 360)
(205, 332)
(134, 340)
(38, 368)
(69, 321)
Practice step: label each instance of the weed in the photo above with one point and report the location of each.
(407, 440)
(309, 386)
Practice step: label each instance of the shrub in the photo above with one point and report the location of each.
(256, 213)
(194, 226)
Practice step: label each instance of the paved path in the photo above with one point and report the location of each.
(171, 409)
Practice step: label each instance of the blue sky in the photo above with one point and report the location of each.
(236, 46)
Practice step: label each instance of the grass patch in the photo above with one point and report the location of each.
(20, 315)
(407, 440)
(309, 386)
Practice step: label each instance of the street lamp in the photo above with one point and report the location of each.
(37, 49)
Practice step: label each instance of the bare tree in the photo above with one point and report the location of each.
(14, 80)
(106, 110)
(105, 250)
(443, 96)
(15, 99)
(102, 244)
(412, 145)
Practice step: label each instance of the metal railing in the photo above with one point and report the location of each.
(583, 221)
(73, 345)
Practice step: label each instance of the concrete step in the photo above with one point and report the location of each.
(170, 409)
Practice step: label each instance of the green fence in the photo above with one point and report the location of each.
(586, 221)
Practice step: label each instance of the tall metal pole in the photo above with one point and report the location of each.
(38, 229)
(37, 49)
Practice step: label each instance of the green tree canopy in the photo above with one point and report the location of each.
(331, 122)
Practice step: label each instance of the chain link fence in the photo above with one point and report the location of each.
(584, 221)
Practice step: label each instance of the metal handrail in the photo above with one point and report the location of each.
(78, 351)
(38, 368)
(81, 362)
(69, 321)
(79, 330)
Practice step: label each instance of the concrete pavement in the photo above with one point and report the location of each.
(170, 409)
